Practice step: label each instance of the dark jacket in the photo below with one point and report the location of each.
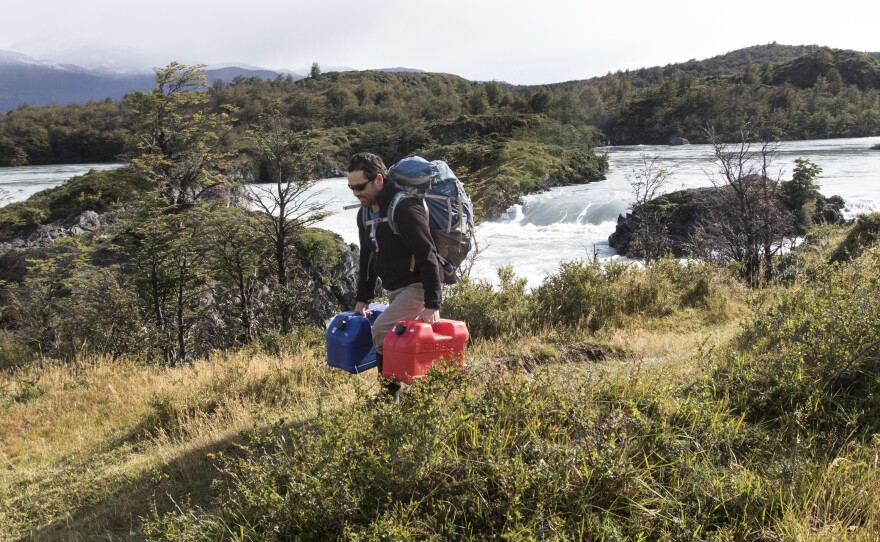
(402, 259)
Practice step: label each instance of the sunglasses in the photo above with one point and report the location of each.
(359, 187)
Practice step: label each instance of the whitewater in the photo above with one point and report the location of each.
(572, 222)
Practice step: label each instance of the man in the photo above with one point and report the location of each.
(407, 263)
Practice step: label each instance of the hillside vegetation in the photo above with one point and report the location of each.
(162, 371)
(794, 92)
(682, 407)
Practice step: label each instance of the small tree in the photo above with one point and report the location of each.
(286, 159)
(315, 71)
(801, 192)
(746, 221)
(176, 139)
(647, 183)
(167, 252)
(235, 259)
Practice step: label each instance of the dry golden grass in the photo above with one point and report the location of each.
(103, 435)
(98, 441)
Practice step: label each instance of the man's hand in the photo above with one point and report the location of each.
(361, 308)
(432, 316)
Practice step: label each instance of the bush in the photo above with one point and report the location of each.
(864, 235)
(511, 460)
(598, 295)
(506, 312)
(810, 362)
(13, 354)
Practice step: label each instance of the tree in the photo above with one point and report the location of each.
(315, 71)
(801, 192)
(287, 161)
(236, 259)
(177, 139)
(647, 183)
(166, 249)
(746, 221)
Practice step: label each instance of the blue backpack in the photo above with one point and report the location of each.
(450, 211)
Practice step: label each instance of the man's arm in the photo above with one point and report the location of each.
(366, 282)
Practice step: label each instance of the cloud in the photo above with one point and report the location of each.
(512, 40)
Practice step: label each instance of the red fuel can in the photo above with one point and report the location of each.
(412, 347)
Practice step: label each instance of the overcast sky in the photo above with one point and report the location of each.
(521, 42)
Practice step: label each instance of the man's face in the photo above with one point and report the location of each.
(367, 192)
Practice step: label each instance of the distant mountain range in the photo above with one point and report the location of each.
(34, 82)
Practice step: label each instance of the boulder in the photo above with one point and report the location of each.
(676, 140)
(682, 211)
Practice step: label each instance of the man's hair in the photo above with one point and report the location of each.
(369, 163)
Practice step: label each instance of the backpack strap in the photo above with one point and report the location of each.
(392, 207)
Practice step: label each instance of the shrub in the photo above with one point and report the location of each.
(864, 235)
(511, 460)
(810, 362)
(598, 295)
(579, 293)
(13, 354)
(506, 312)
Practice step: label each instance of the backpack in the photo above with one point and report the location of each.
(450, 211)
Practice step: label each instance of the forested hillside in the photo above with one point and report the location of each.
(794, 92)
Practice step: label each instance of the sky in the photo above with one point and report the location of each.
(516, 41)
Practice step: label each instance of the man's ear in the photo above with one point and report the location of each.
(380, 180)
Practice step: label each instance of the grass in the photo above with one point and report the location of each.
(654, 426)
(85, 454)
(88, 453)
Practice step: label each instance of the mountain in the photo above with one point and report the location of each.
(848, 67)
(25, 80)
(28, 81)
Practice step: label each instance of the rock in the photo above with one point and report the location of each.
(675, 140)
(829, 211)
(682, 211)
(17, 254)
(679, 211)
(336, 290)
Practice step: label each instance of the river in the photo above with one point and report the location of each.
(573, 222)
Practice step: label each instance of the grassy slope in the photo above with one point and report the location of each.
(89, 449)
(86, 449)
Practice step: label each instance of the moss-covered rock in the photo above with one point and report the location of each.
(97, 191)
(864, 235)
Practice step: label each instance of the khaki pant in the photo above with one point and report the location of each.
(403, 304)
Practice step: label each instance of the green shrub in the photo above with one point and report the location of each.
(599, 294)
(579, 293)
(319, 248)
(865, 234)
(511, 460)
(13, 354)
(505, 312)
(810, 362)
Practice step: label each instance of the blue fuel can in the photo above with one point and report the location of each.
(350, 342)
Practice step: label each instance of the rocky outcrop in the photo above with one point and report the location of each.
(18, 253)
(681, 212)
(333, 290)
(675, 140)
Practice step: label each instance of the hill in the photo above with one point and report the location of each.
(837, 67)
(685, 411)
